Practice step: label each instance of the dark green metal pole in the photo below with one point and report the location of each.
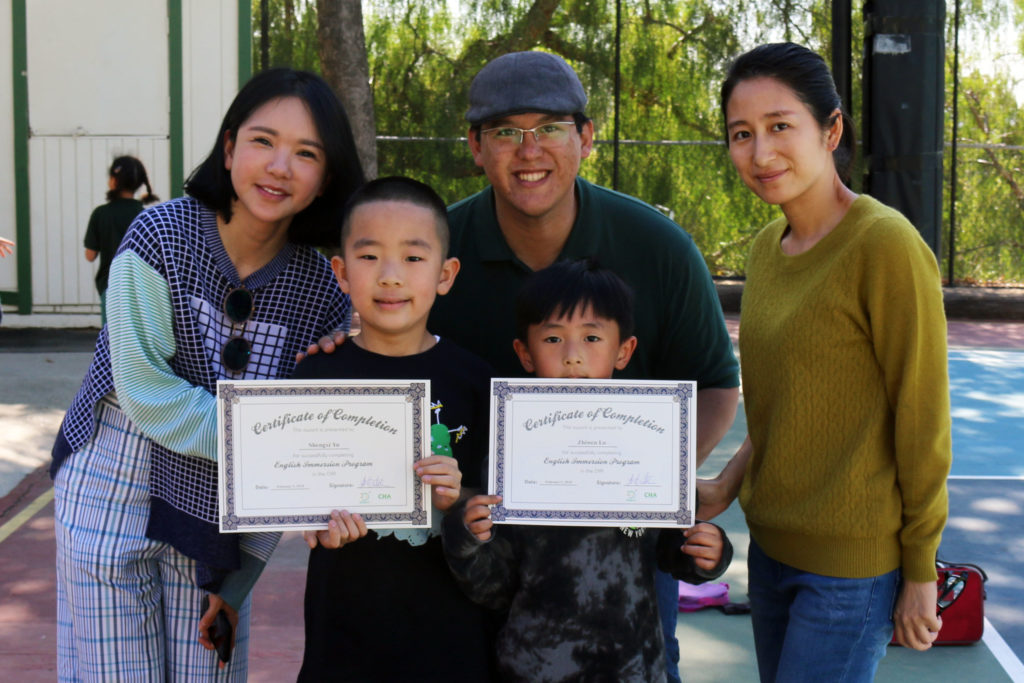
(618, 93)
(952, 136)
(264, 34)
(841, 40)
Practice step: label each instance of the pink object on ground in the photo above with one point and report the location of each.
(693, 598)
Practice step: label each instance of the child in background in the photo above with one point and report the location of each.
(581, 600)
(381, 605)
(109, 222)
(6, 249)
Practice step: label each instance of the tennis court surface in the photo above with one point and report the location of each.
(986, 524)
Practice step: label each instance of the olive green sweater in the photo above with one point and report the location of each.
(846, 389)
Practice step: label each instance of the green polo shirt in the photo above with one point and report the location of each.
(680, 329)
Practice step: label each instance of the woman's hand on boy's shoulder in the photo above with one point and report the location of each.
(442, 473)
(704, 544)
(343, 527)
(327, 344)
(477, 516)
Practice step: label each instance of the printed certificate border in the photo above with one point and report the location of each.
(229, 393)
(681, 392)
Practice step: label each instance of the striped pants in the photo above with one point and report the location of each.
(127, 606)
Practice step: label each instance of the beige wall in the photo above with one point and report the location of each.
(209, 72)
(98, 86)
(8, 267)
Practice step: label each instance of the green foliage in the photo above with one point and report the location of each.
(423, 57)
(292, 34)
(990, 197)
(423, 54)
(989, 224)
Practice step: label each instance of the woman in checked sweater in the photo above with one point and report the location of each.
(222, 284)
(842, 477)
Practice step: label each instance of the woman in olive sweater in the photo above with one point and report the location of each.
(842, 477)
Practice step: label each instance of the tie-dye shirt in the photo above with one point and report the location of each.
(581, 601)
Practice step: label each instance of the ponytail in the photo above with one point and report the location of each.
(846, 151)
(149, 197)
(129, 175)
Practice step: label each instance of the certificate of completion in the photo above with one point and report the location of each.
(292, 451)
(593, 452)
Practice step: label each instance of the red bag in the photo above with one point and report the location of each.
(960, 603)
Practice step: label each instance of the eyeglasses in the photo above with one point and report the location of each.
(238, 307)
(546, 134)
(950, 590)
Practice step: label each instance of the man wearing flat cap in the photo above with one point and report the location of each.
(529, 133)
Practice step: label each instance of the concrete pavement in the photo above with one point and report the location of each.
(41, 370)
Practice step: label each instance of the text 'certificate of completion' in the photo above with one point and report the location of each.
(593, 452)
(292, 451)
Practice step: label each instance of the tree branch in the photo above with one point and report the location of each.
(524, 34)
(974, 106)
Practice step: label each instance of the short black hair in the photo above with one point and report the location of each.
(318, 223)
(399, 189)
(562, 288)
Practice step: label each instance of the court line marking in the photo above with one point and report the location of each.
(986, 350)
(992, 477)
(13, 524)
(1001, 651)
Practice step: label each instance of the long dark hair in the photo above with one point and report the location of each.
(319, 223)
(129, 175)
(807, 75)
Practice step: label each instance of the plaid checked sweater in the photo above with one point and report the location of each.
(160, 355)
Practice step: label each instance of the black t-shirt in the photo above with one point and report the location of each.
(381, 609)
(107, 227)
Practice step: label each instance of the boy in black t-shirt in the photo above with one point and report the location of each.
(381, 605)
(580, 600)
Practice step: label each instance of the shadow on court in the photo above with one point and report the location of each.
(986, 523)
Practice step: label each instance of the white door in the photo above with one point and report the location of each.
(97, 88)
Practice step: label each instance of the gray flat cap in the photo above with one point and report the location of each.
(522, 82)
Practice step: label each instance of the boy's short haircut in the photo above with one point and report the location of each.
(399, 189)
(567, 286)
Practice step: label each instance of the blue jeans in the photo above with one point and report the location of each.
(667, 589)
(809, 627)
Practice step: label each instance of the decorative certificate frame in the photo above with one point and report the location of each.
(291, 451)
(593, 452)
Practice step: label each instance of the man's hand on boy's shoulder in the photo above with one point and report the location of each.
(477, 516)
(327, 344)
(442, 473)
